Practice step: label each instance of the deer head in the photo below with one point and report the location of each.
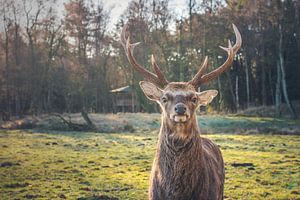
(179, 100)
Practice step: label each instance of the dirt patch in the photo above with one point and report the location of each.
(16, 185)
(8, 164)
(242, 165)
(100, 197)
(32, 196)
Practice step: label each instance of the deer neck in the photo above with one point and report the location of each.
(178, 159)
(182, 131)
(179, 138)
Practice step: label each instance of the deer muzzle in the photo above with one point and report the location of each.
(180, 109)
(180, 113)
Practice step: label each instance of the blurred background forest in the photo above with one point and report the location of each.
(55, 59)
(64, 74)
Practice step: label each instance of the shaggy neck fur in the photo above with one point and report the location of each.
(186, 166)
(179, 159)
(178, 138)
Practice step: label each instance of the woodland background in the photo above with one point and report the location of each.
(68, 62)
(59, 62)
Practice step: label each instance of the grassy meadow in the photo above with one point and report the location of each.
(48, 164)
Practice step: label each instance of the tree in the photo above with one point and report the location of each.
(69, 65)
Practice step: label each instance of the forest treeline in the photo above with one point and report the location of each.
(68, 62)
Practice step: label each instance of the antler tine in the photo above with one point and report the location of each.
(159, 78)
(231, 51)
(158, 72)
(238, 42)
(200, 72)
(213, 74)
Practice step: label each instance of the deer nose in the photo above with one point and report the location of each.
(180, 109)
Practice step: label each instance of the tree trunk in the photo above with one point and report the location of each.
(220, 94)
(7, 75)
(247, 83)
(237, 92)
(271, 86)
(181, 50)
(278, 91)
(96, 98)
(88, 121)
(17, 62)
(233, 108)
(283, 80)
(132, 102)
(263, 85)
(191, 6)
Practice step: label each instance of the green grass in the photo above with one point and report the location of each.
(72, 165)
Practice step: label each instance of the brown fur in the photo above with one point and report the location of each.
(186, 166)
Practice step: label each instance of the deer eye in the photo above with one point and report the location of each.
(164, 99)
(194, 99)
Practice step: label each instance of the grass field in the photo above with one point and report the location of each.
(83, 165)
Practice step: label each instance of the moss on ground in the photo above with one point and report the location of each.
(79, 165)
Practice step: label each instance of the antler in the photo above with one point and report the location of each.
(199, 78)
(157, 78)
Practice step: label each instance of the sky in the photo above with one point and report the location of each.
(119, 6)
(116, 7)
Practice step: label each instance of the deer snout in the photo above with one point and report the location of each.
(180, 109)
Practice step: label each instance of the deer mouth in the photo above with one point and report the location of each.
(180, 118)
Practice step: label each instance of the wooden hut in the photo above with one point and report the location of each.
(124, 100)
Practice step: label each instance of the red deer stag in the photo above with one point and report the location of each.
(186, 166)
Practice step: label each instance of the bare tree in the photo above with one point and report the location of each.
(7, 24)
(283, 77)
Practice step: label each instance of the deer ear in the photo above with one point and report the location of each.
(151, 91)
(206, 97)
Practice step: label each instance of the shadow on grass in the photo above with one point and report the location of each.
(72, 134)
(100, 197)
